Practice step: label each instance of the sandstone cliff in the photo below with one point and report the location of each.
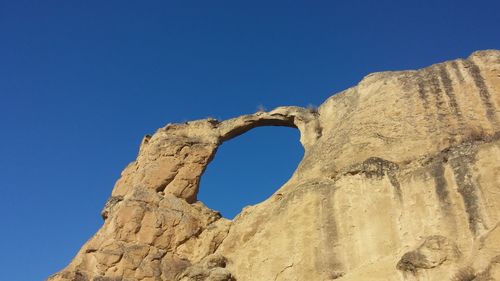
(400, 181)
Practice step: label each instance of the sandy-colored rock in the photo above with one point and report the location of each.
(400, 181)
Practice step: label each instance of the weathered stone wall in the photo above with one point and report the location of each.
(400, 181)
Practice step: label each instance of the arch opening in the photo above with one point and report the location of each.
(249, 168)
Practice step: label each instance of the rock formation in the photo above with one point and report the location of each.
(400, 181)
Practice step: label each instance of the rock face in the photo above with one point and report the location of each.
(400, 181)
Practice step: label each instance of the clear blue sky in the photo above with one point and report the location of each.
(82, 81)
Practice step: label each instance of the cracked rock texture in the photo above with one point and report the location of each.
(400, 181)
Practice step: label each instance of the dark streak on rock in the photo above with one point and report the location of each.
(395, 183)
(442, 190)
(424, 90)
(326, 255)
(422, 94)
(435, 88)
(407, 86)
(467, 190)
(440, 183)
(448, 90)
(484, 93)
(330, 223)
(458, 73)
(428, 86)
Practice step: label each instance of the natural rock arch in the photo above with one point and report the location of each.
(339, 216)
(174, 158)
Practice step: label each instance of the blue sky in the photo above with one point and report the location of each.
(82, 81)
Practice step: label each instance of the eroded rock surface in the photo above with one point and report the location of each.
(400, 181)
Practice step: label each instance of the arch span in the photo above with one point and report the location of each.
(174, 158)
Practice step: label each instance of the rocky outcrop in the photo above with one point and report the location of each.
(400, 181)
